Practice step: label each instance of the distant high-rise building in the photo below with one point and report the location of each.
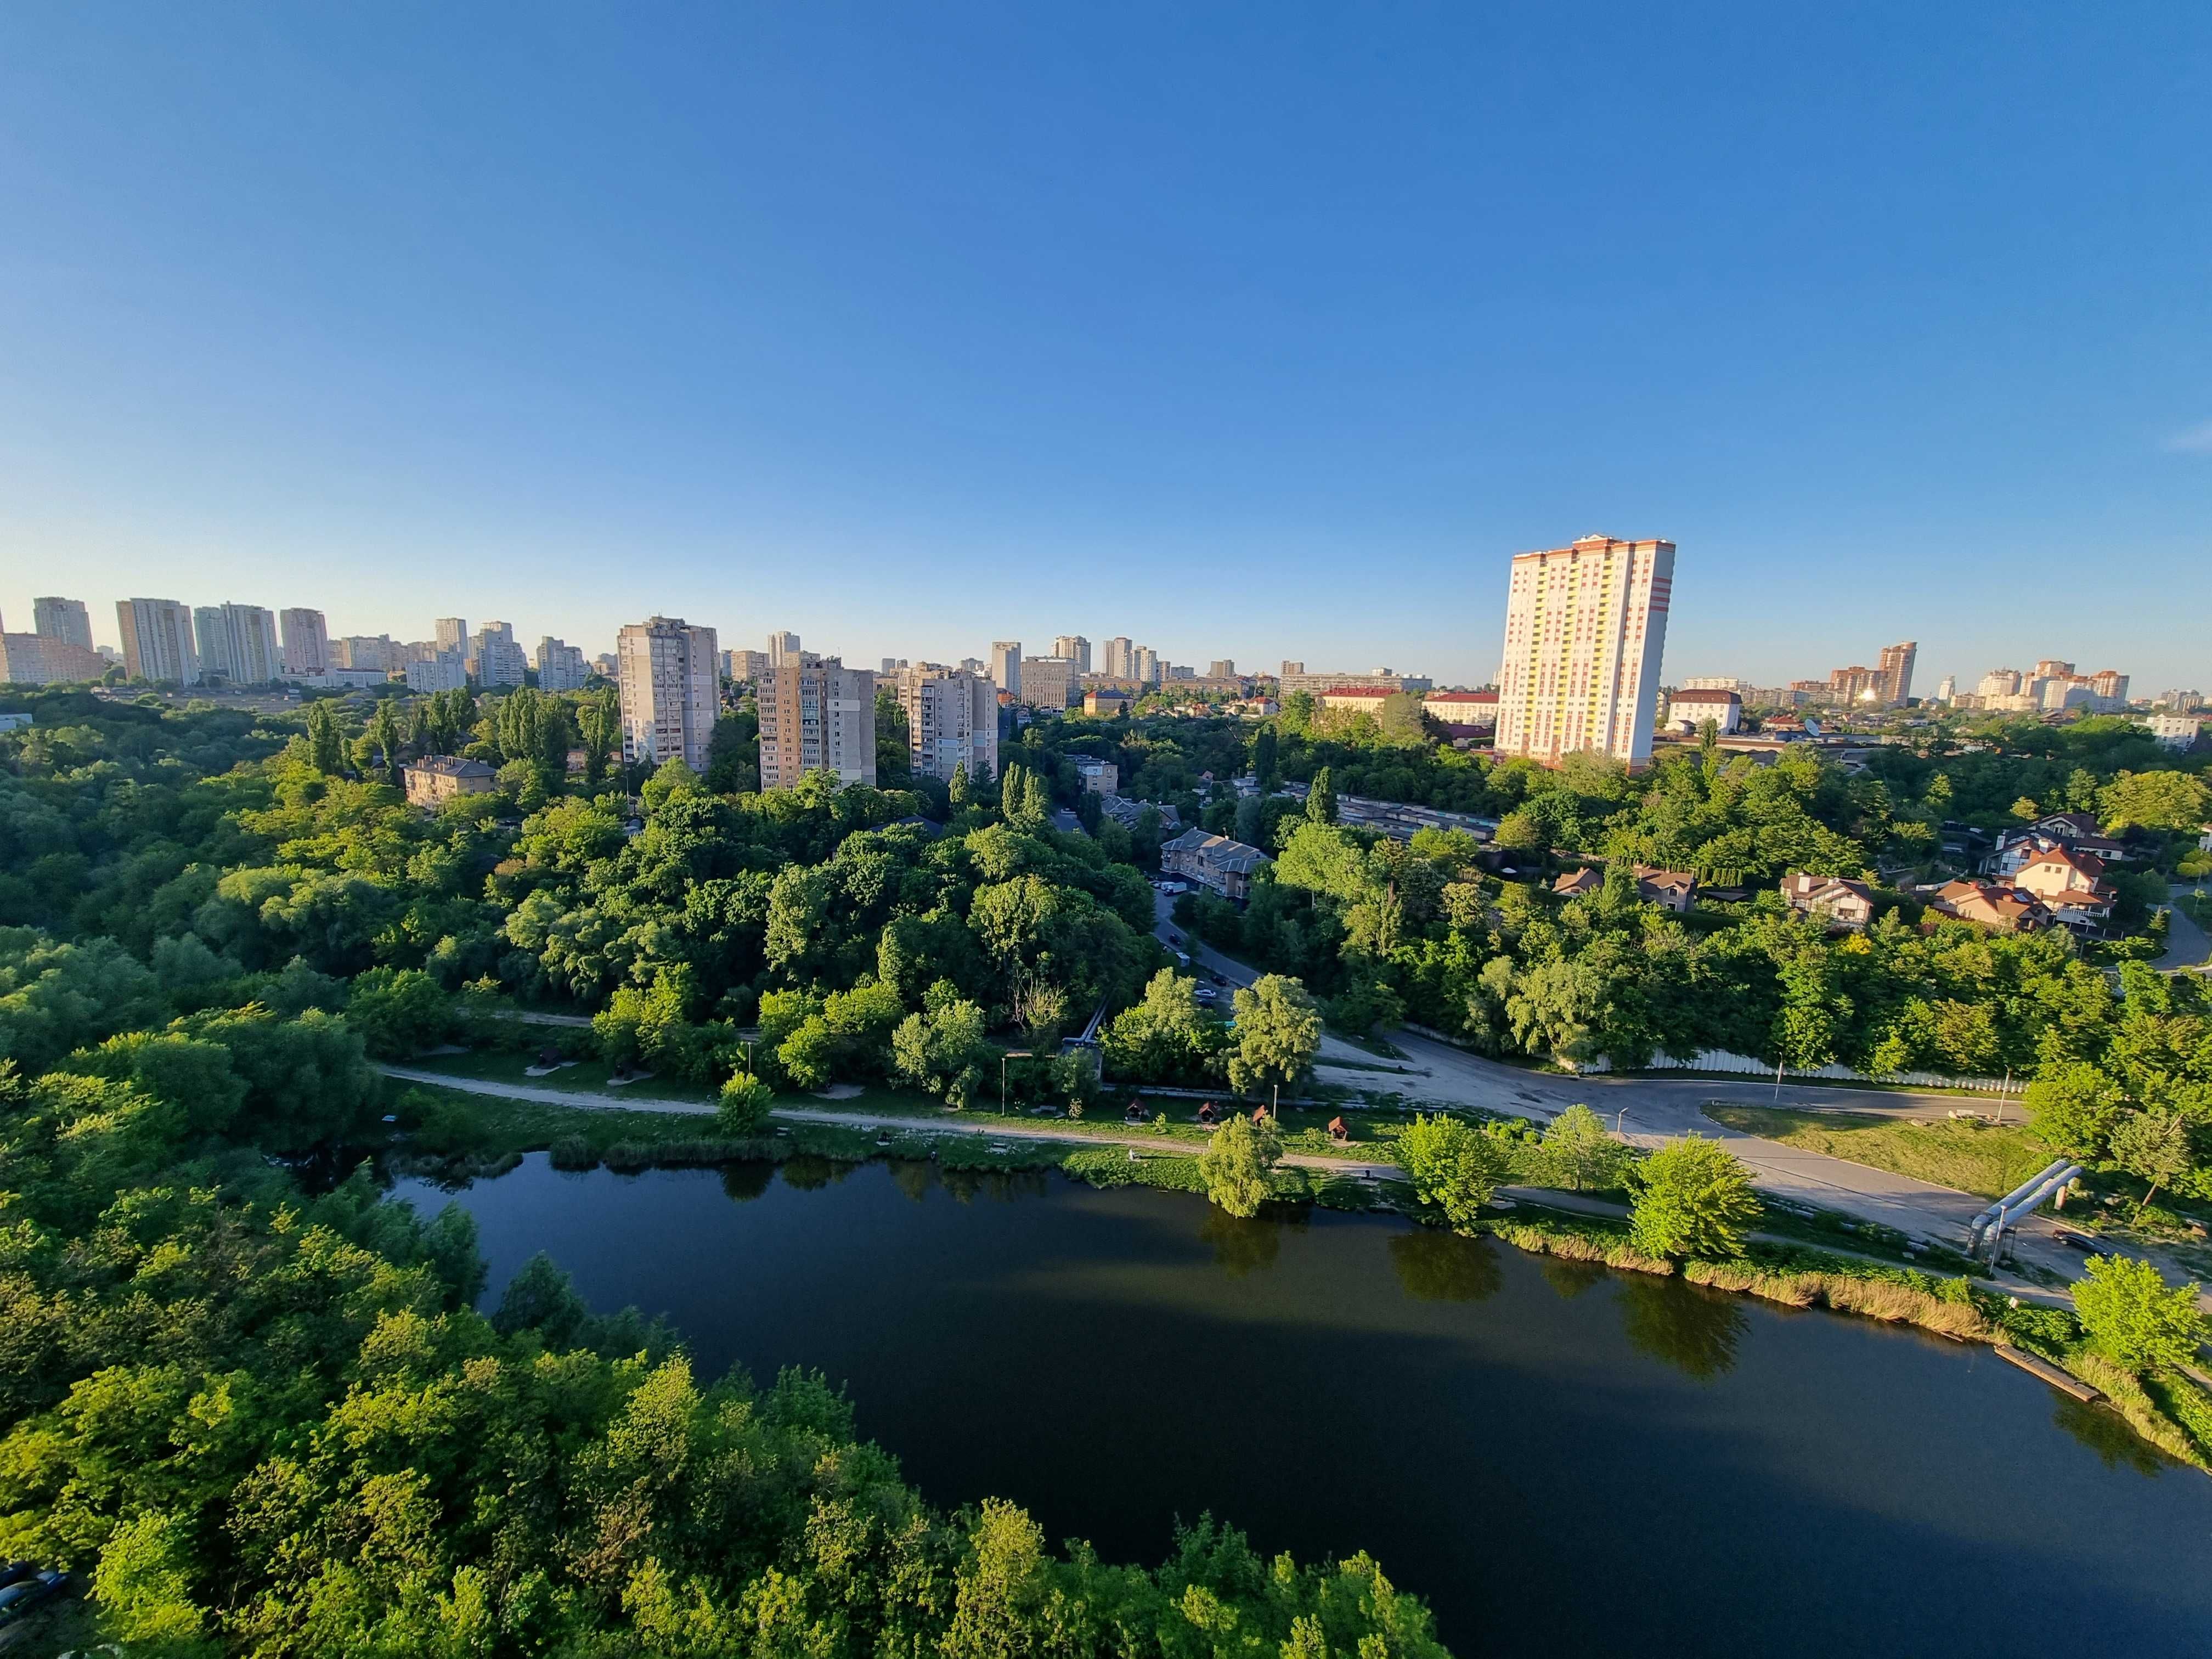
(1947, 688)
(1145, 665)
(66, 620)
(975, 666)
(1895, 668)
(496, 659)
(2049, 668)
(1006, 667)
(450, 634)
(367, 652)
(1117, 665)
(46, 659)
(157, 640)
(2111, 687)
(442, 671)
(1999, 683)
(1221, 668)
(1585, 628)
(744, 667)
(1076, 649)
(238, 643)
(1717, 683)
(307, 642)
(1292, 670)
(561, 667)
(952, 720)
(670, 691)
(782, 648)
(818, 716)
(1047, 682)
(1858, 683)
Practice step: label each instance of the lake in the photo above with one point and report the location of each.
(1559, 1458)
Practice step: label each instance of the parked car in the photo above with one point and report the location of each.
(1207, 994)
(14, 1572)
(18, 1599)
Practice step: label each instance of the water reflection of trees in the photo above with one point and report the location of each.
(1000, 1185)
(2106, 1433)
(1434, 1266)
(913, 1176)
(1693, 1329)
(1241, 1246)
(808, 1173)
(1568, 1278)
(747, 1181)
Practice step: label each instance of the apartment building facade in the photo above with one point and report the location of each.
(238, 643)
(496, 659)
(819, 716)
(1074, 647)
(1048, 682)
(307, 642)
(952, 721)
(561, 667)
(669, 689)
(1006, 667)
(1585, 631)
(66, 620)
(157, 640)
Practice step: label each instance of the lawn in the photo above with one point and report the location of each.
(585, 1077)
(1988, 1159)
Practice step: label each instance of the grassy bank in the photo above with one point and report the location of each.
(1988, 1159)
(2167, 1408)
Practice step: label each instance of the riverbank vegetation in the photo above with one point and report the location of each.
(1965, 1154)
(257, 1408)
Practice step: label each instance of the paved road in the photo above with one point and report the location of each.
(582, 1099)
(1650, 1110)
(2186, 944)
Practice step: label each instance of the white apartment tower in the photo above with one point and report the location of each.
(1006, 667)
(451, 632)
(66, 620)
(496, 659)
(1145, 665)
(670, 691)
(307, 642)
(157, 640)
(239, 641)
(1585, 626)
(952, 720)
(1117, 665)
(1076, 649)
(816, 715)
(561, 667)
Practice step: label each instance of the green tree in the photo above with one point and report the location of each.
(942, 1049)
(1238, 1163)
(1277, 1033)
(2073, 1107)
(1693, 1198)
(743, 1107)
(1451, 1165)
(1579, 1154)
(399, 1011)
(2153, 1146)
(2155, 800)
(325, 742)
(1320, 799)
(2134, 1319)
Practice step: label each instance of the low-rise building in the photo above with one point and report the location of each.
(2070, 883)
(1845, 903)
(1462, 713)
(1100, 777)
(1670, 889)
(2174, 730)
(1990, 904)
(1576, 882)
(1105, 704)
(1688, 710)
(436, 779)
(1215, 862)
(1127, 812)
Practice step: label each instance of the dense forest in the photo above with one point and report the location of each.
(259, 1412)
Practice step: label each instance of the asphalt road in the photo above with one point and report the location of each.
(1648, 1110)
(2186, 944)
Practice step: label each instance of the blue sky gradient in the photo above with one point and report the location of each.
(1262, 333)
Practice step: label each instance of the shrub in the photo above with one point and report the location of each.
(2133, 1319)
(1693, 1198)
(745, 1104)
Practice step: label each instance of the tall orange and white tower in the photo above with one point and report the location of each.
(1585, 625)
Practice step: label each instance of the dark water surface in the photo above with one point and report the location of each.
(1561, 1460)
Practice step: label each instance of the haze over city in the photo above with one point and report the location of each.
(1262, 335)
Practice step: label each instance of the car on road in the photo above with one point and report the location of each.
(19, 1598)
(1207, 994)
(1216, 977)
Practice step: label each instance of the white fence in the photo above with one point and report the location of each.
(1719, 1060)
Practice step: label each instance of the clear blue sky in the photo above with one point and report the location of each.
(1258, 331)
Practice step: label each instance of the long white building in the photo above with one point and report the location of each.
(671, 690)
(1585, 627)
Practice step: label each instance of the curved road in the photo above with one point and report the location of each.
(1648, 1110)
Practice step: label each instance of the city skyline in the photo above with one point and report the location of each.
(1341, 348)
